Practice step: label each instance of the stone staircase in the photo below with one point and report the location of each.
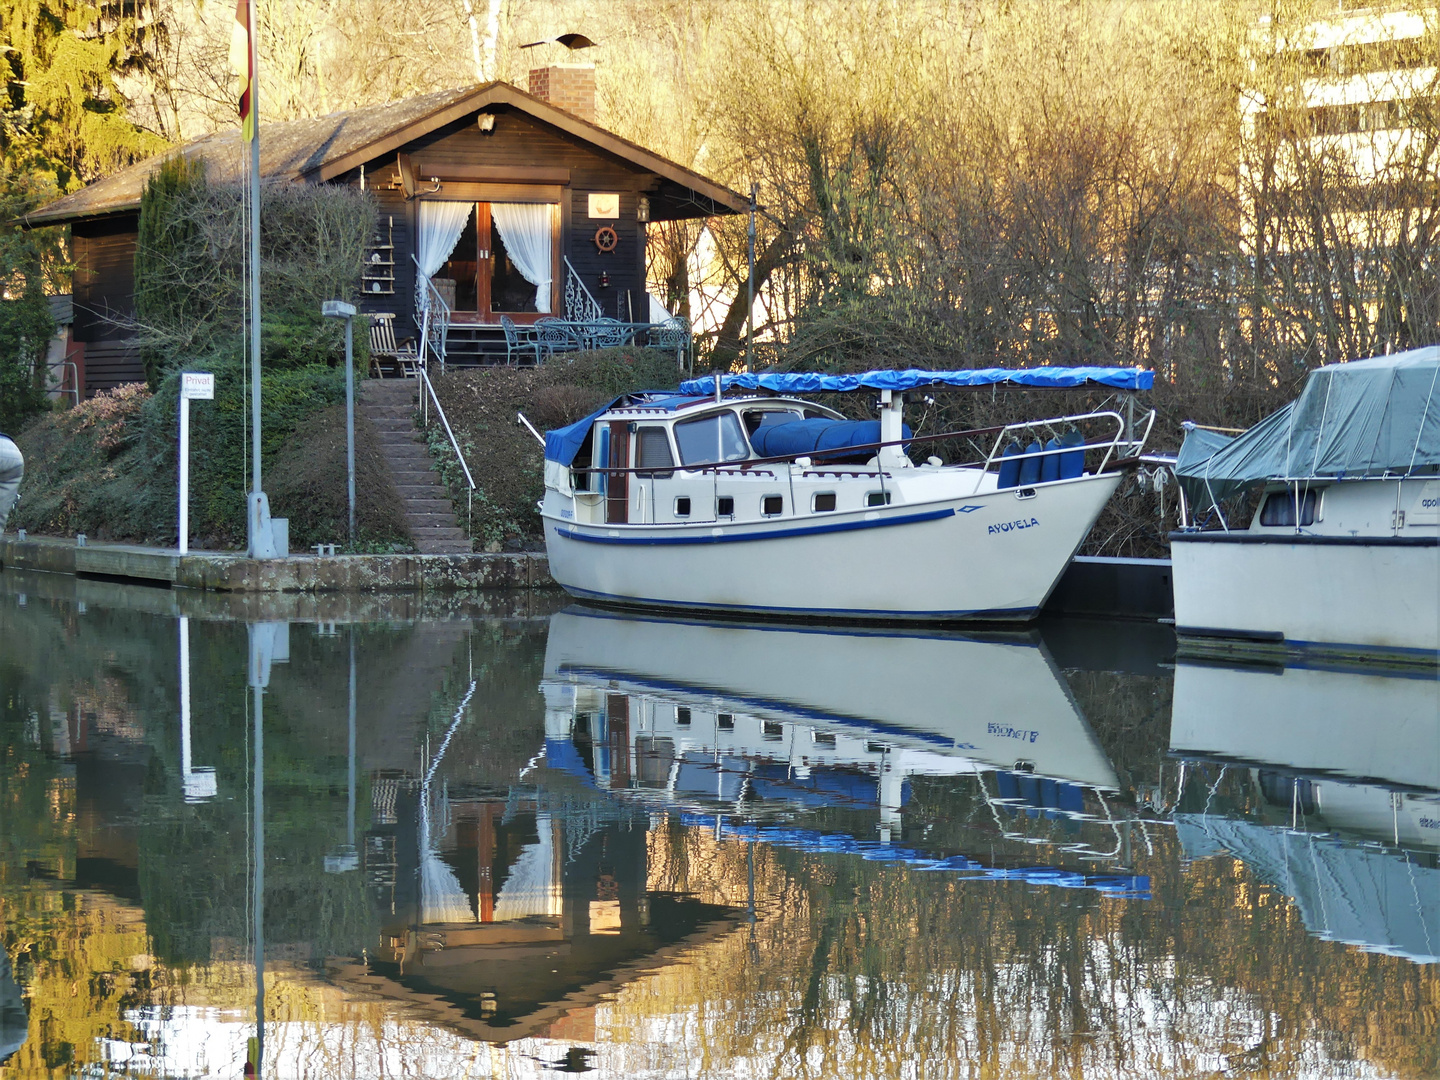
(389, 405)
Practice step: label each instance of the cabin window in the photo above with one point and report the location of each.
(823, 502)
(708, 440)
(877, 498)
(755, 419)
(682, 716)
(725, 506)
(1279, 509)
(682, 506)
(823, 738)
(773, 730)
(652, 451)
(726, 721)
(771, 505)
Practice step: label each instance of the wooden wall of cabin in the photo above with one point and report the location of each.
(104, 290)
(518, 148)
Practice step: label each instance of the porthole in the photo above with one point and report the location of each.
(877, 498)
(773, 730)
(682, 506)
(823, 738)
(725, 721)
(823, 502)
(682, 716)
(725, 506)
(772, 505)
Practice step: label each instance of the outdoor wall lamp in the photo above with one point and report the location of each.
(604, 279)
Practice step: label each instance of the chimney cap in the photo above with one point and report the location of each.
(572, 42)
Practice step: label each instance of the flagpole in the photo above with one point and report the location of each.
(261, 543)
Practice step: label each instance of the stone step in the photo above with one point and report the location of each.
(420, 520)
(407, 460)
(387, 412)
(423, 504)
(437, 532)
(401, 445)
(410, 492)
(447, 547)
(405, 478)
(385, 424)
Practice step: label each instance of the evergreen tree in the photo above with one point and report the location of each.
(167, 238)
(26, 325)
(62, 114)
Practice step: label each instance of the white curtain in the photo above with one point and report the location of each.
(525, 228)
(440, 226)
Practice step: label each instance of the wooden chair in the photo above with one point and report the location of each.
(518, 341)
(404, 361)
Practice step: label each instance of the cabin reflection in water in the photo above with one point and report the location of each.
(513, 909)
(1326, 784)
(817, 740)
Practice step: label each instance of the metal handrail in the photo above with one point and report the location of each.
(454, 445)
(74, 387)
(580, 306)
(432, 331)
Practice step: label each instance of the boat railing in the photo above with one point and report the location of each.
(454, 444)
(1109, 463)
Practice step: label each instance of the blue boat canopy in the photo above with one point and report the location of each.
(1058, 378)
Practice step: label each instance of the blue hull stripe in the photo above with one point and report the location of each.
(740, 538)
(1241, 639)
(1006, 614)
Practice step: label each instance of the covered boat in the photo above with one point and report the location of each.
(1341, 553)
(764, 503)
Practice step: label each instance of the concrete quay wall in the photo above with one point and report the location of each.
(216, 572)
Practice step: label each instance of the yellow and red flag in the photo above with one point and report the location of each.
(240, 59)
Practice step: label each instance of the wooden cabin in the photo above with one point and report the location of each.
(515, 204)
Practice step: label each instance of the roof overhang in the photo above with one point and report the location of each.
(500, 93)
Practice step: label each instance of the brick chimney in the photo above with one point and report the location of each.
(566, 86)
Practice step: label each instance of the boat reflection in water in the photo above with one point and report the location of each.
(760, 731)
(1327, 784)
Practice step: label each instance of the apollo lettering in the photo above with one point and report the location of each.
(1011, 526)
(1005, 731)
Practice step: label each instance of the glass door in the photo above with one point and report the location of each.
(462, 279)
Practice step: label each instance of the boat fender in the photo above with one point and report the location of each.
(1072, 462)
(1009, 470)
(1050, 464)
(1030, 466)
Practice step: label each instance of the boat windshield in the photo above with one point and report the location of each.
(708, 440)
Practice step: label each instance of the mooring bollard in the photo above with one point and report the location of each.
(79, 539)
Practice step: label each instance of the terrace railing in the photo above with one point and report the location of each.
(580, 306)
(433, 316)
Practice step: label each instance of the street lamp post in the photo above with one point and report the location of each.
(338, 309)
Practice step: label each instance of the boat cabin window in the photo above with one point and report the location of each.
(1279, 509)
(755, 419)
(708, 440)
(877, 498)
(823, 502)
(772, 505)
(682, 506)
(725, 506)
(725, 721)
(682, 716)
(652, 451)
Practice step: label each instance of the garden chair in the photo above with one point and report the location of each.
(607, 333)
(672, 336)
(404, 360)
(518, 341)
(555, 335)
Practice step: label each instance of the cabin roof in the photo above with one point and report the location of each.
(326, 147)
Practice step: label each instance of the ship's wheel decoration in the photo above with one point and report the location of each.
(606, 238)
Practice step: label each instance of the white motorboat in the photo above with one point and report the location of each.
(1341, 554)
(1342, 773)
(763, 503)
(759, 726)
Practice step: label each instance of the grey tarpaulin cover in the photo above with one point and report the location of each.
(1364, 418)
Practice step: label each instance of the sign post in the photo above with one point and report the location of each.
(196, 386)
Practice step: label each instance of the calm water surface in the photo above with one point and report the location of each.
(373, 840)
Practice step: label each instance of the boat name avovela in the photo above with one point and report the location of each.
(776, 505)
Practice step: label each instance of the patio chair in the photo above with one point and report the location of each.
(518, 341)
(555, 335)
(672, 336)
(607, 333)
(404, 360)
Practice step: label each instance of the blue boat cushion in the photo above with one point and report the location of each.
(813, 436)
